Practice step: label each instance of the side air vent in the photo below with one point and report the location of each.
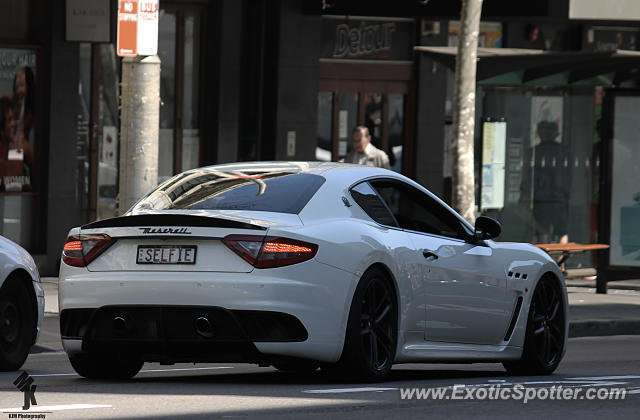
(514, 318)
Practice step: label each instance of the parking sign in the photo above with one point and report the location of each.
(137, 27)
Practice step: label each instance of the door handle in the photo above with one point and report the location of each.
(428, 254)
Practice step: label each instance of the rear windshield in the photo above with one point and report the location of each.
(279, 192)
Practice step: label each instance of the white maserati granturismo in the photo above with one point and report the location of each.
(300, 265)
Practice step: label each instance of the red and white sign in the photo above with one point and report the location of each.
(147, 27)
(137, 27)
(127, 28)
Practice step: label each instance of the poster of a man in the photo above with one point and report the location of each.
(17, 98)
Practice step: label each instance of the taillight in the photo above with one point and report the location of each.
(80, 250)
(270, 252)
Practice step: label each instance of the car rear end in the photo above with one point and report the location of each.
(196, 284)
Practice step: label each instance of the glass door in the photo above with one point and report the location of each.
(395, 124)
(179, 47)
(106, 118)
(167, 33)
(378, 105)
(325, 125)
(348, 119)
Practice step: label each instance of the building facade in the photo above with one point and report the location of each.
(289, 79)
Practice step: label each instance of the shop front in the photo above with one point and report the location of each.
(553, 139)
(23, 143)
(366, 79)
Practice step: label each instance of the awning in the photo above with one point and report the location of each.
(540, 67)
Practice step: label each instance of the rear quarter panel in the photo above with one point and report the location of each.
(13, 257)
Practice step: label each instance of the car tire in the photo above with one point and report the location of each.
(372, 329)
(544, 338)
(17, 324)
(105, 367)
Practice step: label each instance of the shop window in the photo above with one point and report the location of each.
(20, 146)
(378, 105)
(107, 122)
(624, 235)
(179, 49)
(548, 158)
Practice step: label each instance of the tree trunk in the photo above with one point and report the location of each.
(464, 98)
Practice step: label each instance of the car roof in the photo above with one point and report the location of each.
(339, 174)
(286, 166)
(325, 169)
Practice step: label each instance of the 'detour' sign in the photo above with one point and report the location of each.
(367, 39)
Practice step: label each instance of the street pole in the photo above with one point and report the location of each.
(139, 122)
(464, 98)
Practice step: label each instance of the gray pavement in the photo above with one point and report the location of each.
(590, 313)
(245, 391)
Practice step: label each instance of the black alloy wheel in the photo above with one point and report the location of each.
(544, 340)
(17, 324)
(548, 323)
(376, 325)
(371, 339)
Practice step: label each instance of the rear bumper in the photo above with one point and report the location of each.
(317, 296)
(178, 333)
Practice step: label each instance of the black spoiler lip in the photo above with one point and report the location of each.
(143, 220)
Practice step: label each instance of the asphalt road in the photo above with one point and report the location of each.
(230, 390)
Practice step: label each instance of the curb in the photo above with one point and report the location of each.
(604, 327)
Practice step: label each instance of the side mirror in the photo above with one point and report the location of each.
(487, 228)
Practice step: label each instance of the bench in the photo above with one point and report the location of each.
(561, 253)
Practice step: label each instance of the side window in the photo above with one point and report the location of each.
(369, 201)
(416, 211)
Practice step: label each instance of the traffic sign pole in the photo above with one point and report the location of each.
(140, 99)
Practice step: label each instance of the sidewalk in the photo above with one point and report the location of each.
(590, 313)
(614, 313)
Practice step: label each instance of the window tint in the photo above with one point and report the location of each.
(369, 201)
(416, 211)
(212, 190)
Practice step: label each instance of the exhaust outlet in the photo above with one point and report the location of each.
(203, 327)
(121, 324)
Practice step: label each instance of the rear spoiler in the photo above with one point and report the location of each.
(171, 220)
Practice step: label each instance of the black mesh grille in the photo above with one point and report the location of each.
(171, 332)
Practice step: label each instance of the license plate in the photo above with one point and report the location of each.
(166, 254)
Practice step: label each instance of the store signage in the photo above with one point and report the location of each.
(137, 27)
(367, 38)
(88, 21)
(604, 10)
